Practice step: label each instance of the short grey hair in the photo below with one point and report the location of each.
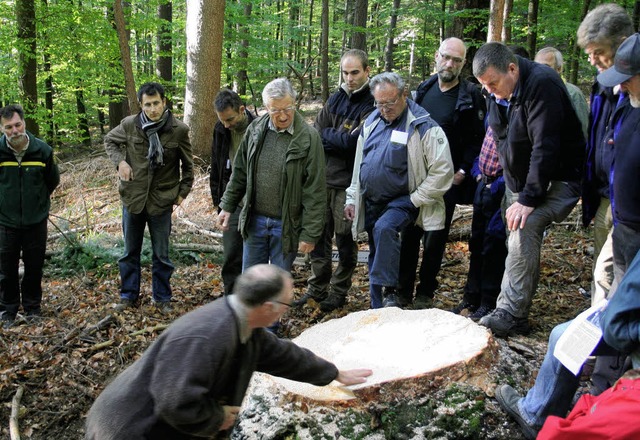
(279, 88)
(607, 24)
(387, 78)
(556, 54)
(495, 55)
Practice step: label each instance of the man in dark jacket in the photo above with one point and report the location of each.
(28, 176)
(233, 120)
(339, 124)
(459, 108)
(541, 147)
(189, 383)
(152, 155)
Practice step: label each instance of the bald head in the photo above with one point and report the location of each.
(261, 283)
(449, 61)
(551, 57)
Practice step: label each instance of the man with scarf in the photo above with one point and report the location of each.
(152, 155)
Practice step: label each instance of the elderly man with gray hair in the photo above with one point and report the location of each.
(279, 171)
(402, 169)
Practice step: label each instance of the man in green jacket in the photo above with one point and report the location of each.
(152, 156)
(279, 170)
(28, 176)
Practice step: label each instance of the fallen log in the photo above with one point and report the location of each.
(14, 427)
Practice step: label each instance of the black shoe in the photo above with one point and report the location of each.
(503, 323)
(124, 304)
(480, 313)
(7, 320)
(390, 297)
(464, 305)
(423, 302)
(33, 316)
(164, 307)
(308, 296)
(508, 399)
(332, 302)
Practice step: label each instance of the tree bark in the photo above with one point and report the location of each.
(575, 62)
(506, 27)
(359, 36)
(204, 28)
(496, 20)
(164, 62)
(243, 53)
(388, 50)
(27, 64)
(532, 20)
(324, 50)
(125, 56)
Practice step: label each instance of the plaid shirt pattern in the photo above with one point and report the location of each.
(488, 161)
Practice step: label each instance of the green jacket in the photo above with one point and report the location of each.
(156, 190)
(26, 187)
(303, 193)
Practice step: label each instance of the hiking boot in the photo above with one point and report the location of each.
(423, 302)
(480, 313)
(464, 305)
(508, 399)
(125, 303)
(33, 316)
(164, 307)
(332, 302)
(503, 323)
(308, 296)
(7, 320)
(390, 297)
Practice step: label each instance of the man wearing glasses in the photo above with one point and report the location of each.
(402, 169)
(279, 171)
(459, 108)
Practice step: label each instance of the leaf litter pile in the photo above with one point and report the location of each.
(51, 370)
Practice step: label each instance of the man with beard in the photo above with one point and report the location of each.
(28, 176)
(459, 108)
(152, 155)
(233, 120)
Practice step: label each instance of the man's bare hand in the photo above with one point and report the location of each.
(124, 171)
(305, 247)
(349, 212)
(517, 215)
(230, 416)
(458, 178)
(352, 377)
(223, 220)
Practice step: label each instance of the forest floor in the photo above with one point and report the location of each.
(62, 362)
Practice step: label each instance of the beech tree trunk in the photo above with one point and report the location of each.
(388, 50)
(532, 20)
(125, 56)
(164, 61)
(359, 36)
(204, 28)
(27, 65)
(506, 27)
(496, 20)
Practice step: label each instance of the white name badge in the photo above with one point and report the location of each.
(399, 137)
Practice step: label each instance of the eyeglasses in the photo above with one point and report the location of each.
(282, 110)
(282, 303)
(385, 105)
(448, 58)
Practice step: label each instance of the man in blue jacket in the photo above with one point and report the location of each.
(28, 176)
(541, 146)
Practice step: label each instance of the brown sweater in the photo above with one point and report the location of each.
(176, 390)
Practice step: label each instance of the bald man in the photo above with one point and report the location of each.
(190, 382)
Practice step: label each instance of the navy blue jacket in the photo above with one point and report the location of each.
(339, 124)
(540, 137)
(625, 196)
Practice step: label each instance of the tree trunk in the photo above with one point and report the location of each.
(27, 65)
(359, 36)
(324, 50)
(125, 56)
(532, 20)
(204, 28)
(388, 50)
(48, 89)
(575, 62)
(243, 53)
(443, 29)
(506, 27)
(496, 20)
(470, 27)
(164, 62)
(310, 57)
(83, 122)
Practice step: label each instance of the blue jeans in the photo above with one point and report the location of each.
(263, 244)
(133, 229)
(555, 386)
(32, 241)
(383, 223)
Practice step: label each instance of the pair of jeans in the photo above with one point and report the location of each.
(522, 266)
(487, 247)
(133, 226)
(231, 252)
(555, 386)
(384, 224)
(32, 241)
(322, 280)
(434, 246)
(263, 244)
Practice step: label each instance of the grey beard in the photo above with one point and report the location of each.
(446, 76)
(635, 102)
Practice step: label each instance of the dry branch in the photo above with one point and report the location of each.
(14, 428)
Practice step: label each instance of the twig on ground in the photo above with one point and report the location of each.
(14, 427)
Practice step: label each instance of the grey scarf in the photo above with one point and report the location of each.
(151, 129)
